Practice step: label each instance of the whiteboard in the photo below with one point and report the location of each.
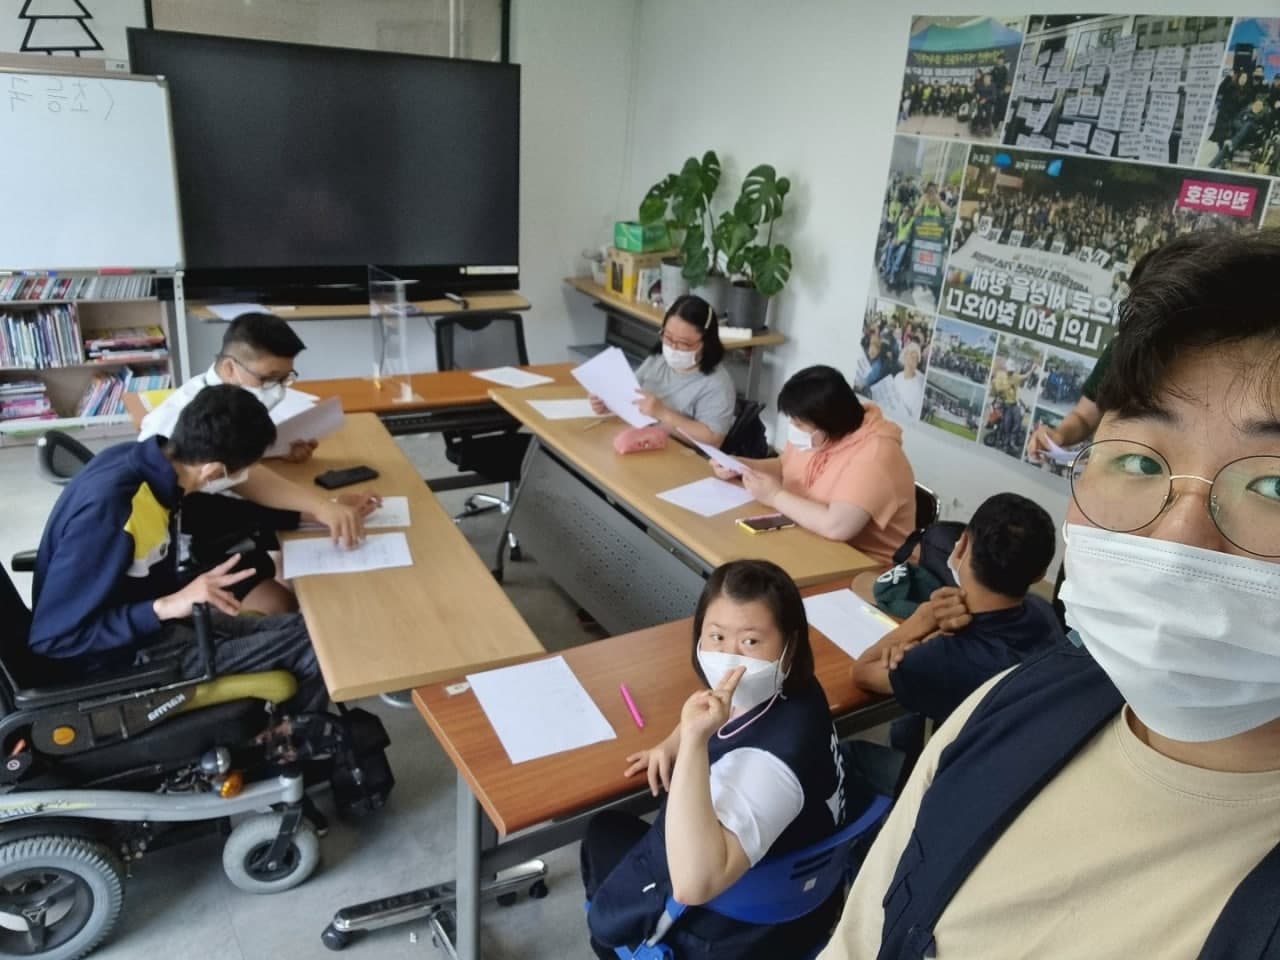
(87, 173)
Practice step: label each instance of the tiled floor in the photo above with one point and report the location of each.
(178, 902)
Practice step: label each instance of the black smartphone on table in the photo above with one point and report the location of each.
(333, 479)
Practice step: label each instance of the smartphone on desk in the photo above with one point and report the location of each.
(333, 479)
(765, 523)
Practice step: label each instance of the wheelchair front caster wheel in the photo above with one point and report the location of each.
(245, 858)
(508, 899)
(335, 939)
(538, 889)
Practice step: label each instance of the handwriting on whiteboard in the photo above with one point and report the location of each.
(84, 98)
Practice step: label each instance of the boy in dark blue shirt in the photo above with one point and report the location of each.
(964, 635)
(107, 588)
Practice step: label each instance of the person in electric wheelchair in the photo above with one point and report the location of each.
(108, 591)
(113, 751)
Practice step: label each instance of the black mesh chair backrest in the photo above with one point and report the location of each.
(926, 507)
(478, 343)
(60, 457)
(15, 628)
(746, 437)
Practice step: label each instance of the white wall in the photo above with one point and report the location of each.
(811, 86)
(576, 61)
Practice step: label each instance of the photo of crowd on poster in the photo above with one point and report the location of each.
(916, 218)
(1061, 384)
(1272, 217)
(1043, 244)
(890, 364)
(1011, 394)
(1136, 87)
(957, 368)
(1244, 124)
(959, 76)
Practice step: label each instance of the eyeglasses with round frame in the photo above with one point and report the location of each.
(288, 380)
(1125, 486)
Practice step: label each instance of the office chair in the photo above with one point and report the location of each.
(778, 889)
(59, 456)
(927, 508)
(746, 437)
(477, 343)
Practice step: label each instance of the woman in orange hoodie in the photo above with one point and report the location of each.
(842, 473)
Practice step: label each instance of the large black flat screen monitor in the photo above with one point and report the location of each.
(299, 165)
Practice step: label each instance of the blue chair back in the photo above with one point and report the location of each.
(777, 889)
(784, 888)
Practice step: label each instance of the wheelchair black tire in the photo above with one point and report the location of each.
(96, 889)
(250, 839)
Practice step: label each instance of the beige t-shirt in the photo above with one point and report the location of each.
(1125, 854)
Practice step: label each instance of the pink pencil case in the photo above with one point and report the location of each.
(637, 439)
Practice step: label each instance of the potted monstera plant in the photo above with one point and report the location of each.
(683, 201)
(760, 268)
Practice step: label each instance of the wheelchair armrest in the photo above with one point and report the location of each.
(146, 677)
(24, 561)
(136, 678)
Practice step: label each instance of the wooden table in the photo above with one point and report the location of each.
(594, 521)
(391, 629)
(568, 788)
(634, 327)
(498, 301)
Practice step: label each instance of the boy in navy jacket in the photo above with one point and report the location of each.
(965, 635)
(107, 586)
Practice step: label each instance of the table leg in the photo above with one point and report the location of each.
(467, 856)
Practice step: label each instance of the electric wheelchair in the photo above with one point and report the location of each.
(97, 772)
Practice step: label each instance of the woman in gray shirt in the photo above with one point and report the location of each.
(683, 385)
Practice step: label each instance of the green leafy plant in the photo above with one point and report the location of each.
(760, 204)
(683, 201)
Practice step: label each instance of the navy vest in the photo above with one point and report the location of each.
(798, 731)
(1026, 729)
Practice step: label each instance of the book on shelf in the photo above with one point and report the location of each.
(126, 345)
(104, 396)
(51, 286)
(40, 339)
(25, 400)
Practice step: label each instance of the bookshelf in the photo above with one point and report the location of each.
(68, 348)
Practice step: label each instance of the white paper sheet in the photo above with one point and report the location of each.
(229, 311)
(707, 497)
(512, 377)
(610, 377)
(539, 708)
(847, 620)
(564, 409)
(294, 403)
(1059, 454)
(393, 513)
(716, 454)
(317, 420)
(315, 555)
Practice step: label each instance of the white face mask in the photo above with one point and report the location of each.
(762, 680)
(1187, 635)
(955, 574)
(267, 396)
(679, 360)
(799, 438)
(225, 482)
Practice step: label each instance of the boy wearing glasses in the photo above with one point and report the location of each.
(1121, 800)
(257, 355)
(258, 352)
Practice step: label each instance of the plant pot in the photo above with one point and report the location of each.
(674, 285)
(745, 306)
(712, 290)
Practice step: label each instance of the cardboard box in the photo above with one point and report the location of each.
(640, 237)
(623, 269)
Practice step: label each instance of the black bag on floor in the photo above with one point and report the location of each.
(362, 777)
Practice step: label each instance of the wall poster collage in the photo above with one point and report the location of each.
(1035, 161)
